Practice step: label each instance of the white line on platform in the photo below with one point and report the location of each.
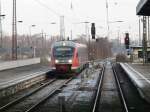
(25, 77)
(138, 73)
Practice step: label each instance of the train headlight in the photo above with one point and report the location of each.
(56, 61)
(70, 61)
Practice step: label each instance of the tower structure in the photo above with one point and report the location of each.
(1, 35)
(62, 28)
(14, 32)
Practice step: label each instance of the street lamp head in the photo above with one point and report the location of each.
(53, 22)
(115, 21)
(86, 22)
(20, 21)
(119, 21)
(33, 25)
(2, 15)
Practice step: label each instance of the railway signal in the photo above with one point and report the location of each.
(127, 40)
(93, 30)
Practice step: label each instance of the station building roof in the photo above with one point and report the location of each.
(143, 8)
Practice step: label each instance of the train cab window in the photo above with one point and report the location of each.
(63, 51)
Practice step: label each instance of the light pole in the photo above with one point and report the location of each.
(62, 28)
(1, 30)
(118, 38)
(100, 28)
(86, 26)
(87, 35)
(140, 31)
(107, 17)
(53, 23)
(119, 21)
(19, 45)
(30, 28)
(32, 46)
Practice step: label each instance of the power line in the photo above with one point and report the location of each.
(44, 5)
(53, 11)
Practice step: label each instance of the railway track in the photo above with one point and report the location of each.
(120, 90)
(96, 102)
(134, 102)
(31, 100)
(99, 105)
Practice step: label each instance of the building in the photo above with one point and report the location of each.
(137, 53)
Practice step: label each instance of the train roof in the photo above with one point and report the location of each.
(68, 43)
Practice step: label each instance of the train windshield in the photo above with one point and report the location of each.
(63, 52)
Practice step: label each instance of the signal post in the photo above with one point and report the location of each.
(93, 32)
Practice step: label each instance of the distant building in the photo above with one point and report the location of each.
(137, 54)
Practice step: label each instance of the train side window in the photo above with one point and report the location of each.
(77, 55)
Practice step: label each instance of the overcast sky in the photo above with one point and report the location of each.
(43, 12)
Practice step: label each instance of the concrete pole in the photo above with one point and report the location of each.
(34, 51)
(107, 17)
(148, 30)
(144, 39)
(139, 30)
(62, 28)
(14, 32)
(1, 35)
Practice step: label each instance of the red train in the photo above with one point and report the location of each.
(68, 56)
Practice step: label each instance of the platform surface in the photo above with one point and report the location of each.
(12, 76)
(140, 76)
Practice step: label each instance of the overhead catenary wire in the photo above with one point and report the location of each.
(53, 11)
(47, 7)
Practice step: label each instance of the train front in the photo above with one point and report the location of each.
(63, 58)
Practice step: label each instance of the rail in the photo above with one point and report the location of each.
(120, 90)
(49, 95)
(25, 96)
(98, 90)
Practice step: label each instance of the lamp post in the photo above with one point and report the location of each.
(53, 23)
(107, 17)
(87, 35)
(118, 38)
(1, 31)
(30, 27)
(118, 21)
(19, 45)
(32, 46)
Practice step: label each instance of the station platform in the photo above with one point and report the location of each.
(140, 76)
(16, 79)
